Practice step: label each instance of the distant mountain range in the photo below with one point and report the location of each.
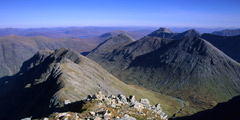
(77, 32)
(101, 38)
(227, 32)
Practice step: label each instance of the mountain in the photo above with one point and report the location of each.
(50, 80)
(191, 69)
(228, 44)
(162, 33)
(101, 38)
(16, 49)
(111, 44)
(188, 33)
(166, 33)
(227, 32)
(223, 111)
(120, 57)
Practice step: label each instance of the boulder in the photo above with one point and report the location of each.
(126, 117)
(123, 99)
(145, 103)
(131, 98)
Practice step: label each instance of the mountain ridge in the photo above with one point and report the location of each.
(58, 77)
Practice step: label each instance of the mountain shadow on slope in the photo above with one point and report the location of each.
(229, 45)
(223, 111)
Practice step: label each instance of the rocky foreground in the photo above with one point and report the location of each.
(99, 106)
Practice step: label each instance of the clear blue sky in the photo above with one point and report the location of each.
(174, 13)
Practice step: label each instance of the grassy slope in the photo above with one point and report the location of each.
(169, 104)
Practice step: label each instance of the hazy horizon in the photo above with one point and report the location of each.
(119, 13)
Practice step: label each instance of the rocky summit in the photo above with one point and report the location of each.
(110, 107)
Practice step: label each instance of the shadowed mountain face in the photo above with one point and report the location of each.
(120, 57)
(16, 49)
(229, 45)
(191, 69)
(49, 79)
(227, 32)
(223, 111)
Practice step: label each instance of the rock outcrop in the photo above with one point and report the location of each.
(110, 107)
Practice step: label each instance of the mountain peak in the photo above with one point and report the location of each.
(189, 33)
(193, 31)
(164, 30)
(161, 32)
(111, 44)
(62, 54)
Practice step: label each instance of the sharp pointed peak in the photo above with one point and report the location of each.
(193, 30)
